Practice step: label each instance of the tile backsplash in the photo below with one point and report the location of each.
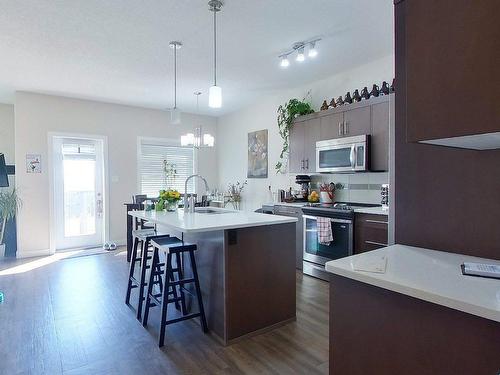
(359, 187)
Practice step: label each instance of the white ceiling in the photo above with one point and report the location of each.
(117, 50)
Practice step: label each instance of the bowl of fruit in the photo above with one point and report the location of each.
(313, 197)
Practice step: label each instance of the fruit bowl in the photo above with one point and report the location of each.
(313, 197)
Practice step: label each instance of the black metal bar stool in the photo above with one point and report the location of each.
(142, 240)
(173, 280)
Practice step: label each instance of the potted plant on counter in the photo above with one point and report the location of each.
(9, 205)
(169, 200)
(234, 193)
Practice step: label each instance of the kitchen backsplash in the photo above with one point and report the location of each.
(359, 187)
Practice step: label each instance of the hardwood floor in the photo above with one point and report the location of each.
(69, 317)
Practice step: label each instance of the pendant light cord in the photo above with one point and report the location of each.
(175, 77)
(215, 47)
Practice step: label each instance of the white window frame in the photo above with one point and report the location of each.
(165, 142)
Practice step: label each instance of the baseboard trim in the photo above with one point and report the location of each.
(33, 253)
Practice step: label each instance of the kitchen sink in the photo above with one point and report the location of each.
(210, 211)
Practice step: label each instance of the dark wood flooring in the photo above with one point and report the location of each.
(69, 317)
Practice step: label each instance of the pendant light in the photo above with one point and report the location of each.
(215, 92)
(197, 139)
(175, 113)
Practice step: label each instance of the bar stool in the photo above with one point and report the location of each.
(142, 240)
(173, 279)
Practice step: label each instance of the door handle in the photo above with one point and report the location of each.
(346, 128)
(302, 164)
(99, 207)
(340, 128)
(352, 157)
(307, 164)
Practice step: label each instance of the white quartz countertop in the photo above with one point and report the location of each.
(362, 210)
(205, 222)
(372, 211)
(429, 275)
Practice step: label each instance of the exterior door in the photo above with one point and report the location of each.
(78, 192)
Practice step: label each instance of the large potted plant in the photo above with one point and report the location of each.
(9, 204)
(286, 114)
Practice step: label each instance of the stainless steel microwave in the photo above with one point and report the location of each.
(349, 154)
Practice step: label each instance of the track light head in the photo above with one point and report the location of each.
(312, 50)
(284, 62)
(300, 54)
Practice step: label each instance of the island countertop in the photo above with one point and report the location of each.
(217, 219)
(429, 275)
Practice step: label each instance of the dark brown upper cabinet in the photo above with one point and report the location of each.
(304, 134)
(367, 117)
(452, 55)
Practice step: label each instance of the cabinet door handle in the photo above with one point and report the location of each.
(375, 243)
(302, 164)
(307, 164)
(346, 128)
(376, 221)
(340, 128)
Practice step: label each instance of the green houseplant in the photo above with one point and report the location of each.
(286, 114)
(9, 204)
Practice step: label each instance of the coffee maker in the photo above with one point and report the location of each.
(305, 185)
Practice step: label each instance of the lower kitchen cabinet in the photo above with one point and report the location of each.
(370, 232)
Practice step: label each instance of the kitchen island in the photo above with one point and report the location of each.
(409, 310)
(246, 266)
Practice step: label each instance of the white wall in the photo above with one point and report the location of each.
(37, 115)
(7, 134)
(232, 132)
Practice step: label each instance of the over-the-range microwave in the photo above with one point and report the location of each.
(349, 154)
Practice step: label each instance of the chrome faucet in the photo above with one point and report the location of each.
(190, 204)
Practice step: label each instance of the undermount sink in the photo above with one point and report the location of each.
(210, 211)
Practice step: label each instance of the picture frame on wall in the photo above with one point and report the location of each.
(33, 163)
(258, 154)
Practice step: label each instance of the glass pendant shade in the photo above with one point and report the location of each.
(175, 116)
(208, 140)
(215, 97)
(188, 139)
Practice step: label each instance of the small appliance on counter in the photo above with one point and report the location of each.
(305, 185)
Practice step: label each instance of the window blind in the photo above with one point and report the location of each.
(151, 173)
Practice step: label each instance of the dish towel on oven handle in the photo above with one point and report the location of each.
(325, 234)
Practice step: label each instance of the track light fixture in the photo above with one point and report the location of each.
(299, 48)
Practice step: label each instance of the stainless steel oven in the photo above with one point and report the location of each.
(317, 254)
(348, 154)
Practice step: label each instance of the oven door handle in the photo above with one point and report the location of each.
(343, 221)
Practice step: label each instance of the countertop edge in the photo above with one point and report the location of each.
(282, 220)
(438, 299)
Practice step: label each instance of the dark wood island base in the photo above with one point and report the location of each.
(247, 276)
(377, 331)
